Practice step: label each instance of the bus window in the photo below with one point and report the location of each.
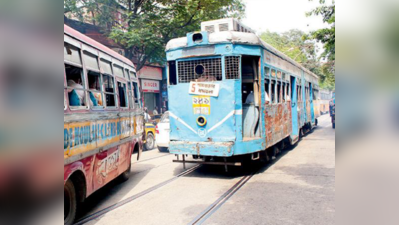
(279, 92)
(122, 95)
(75, 86)
(106, 66)
(130, 94)
(136, 93)
(172, 73)
(118, 71)
(95, 91)
(109, 89)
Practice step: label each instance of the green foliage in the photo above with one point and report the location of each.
(152, 23)
(327, 37)
(294, 46)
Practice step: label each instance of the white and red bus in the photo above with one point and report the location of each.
(103, 118)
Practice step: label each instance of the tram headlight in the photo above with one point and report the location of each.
(201, 121)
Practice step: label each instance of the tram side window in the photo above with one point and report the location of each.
(172, 73)
(315, 93)
(283, 92)
(267, 71)
(297, 94)
(109, 89)
(75, 86)
(122, 95)
(300, 94)
(273, 91)
(278, 92)
(267, 90)
(95, 91)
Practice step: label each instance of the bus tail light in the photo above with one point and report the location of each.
(156, 129)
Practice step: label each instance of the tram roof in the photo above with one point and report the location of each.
(235, 37)
(93, 43)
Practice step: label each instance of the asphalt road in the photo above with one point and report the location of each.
(297, 188)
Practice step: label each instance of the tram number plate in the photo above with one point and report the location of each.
(207, 89)
(202, 105)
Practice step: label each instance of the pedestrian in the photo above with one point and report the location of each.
(147, 116)
(155, 112)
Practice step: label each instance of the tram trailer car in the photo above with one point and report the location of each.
(233, 95)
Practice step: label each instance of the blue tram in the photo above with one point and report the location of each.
(231, 94)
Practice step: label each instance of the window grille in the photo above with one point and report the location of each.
(210, 29)
(188, 70)
(232, 64)
(223, 27)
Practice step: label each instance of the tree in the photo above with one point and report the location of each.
(294, 46)
(327, 37)
(152, 23)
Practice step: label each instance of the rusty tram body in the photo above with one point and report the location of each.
(233, 95)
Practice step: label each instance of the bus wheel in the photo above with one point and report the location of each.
(70, 203)
(150, 142)
(126, 175)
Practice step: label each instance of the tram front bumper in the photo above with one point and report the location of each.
(221, 149)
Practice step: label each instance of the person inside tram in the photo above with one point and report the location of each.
(251, 98)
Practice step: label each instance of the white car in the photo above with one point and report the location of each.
(163, 132)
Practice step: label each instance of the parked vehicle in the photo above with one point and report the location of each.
(103, 118)
(150, 131)
(163, 130)
(234, 98)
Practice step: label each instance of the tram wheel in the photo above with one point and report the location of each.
(70, 203)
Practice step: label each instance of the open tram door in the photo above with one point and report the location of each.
(294, 137)
(312, 104)
(251, 98)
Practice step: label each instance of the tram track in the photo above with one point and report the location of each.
(108, 209)
(208, 212)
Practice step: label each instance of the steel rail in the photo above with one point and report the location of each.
(108, 209)
(204, 215)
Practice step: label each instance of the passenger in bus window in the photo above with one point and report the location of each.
(95, 88)
(94, 101)
(76, 94)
